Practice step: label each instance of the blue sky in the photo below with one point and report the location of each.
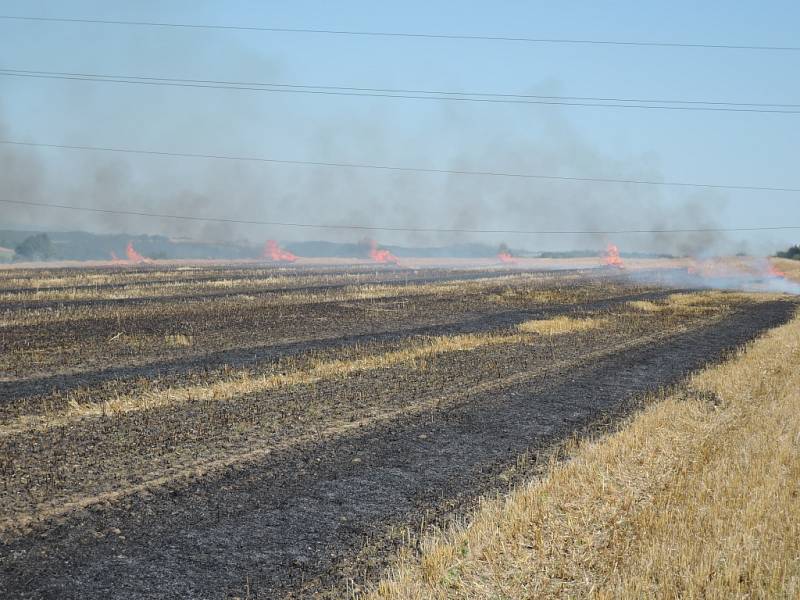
(731, 148)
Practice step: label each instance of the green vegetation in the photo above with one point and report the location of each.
(35, 247)
(793, 252)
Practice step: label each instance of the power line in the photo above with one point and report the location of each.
(395, 168)
(138, 213)
(398, 90)
(401, 169)
(486, 97)
(399, 34)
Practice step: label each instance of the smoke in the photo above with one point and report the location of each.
(273, 126)
(21, 178)
(741, 273)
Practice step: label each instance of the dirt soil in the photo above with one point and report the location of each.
(308, 489)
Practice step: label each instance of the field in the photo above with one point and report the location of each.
(256, 431)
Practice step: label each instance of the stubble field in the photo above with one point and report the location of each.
(260, 431)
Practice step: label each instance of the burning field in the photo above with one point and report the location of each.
(284, 430)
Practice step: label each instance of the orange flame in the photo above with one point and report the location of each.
(381, 255)
(612, 258)
(775, 271)
(273, 251)
(718, 268)
(507, 258)
(133, 255)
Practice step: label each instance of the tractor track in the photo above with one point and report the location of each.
(293, 523)
(16, 306)
(360, 277)
(243, 357)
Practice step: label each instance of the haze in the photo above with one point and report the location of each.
(710, 147)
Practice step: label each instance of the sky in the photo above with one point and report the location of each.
(734, 148)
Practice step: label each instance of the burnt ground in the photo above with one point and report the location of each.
(310, 517)
(471, 322)
(78, 332)
(394, 277)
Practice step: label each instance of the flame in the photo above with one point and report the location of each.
(273, 251)
(115, 258)
(381, 255)
(506, 257)
(742, 271)
(774, 271)
(612, 258)
(133, 255)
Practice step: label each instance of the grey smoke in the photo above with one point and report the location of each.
(229, 122)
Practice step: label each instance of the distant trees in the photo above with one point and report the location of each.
(793, 252)
(35, 247)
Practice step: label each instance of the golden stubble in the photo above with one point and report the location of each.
(697, 496)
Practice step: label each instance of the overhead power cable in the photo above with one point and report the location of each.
(684, 105)
(402, 169)
(402, 34)
(487, 97)
(348, 165)
(139, 213)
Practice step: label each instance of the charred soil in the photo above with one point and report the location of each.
(305, 487)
